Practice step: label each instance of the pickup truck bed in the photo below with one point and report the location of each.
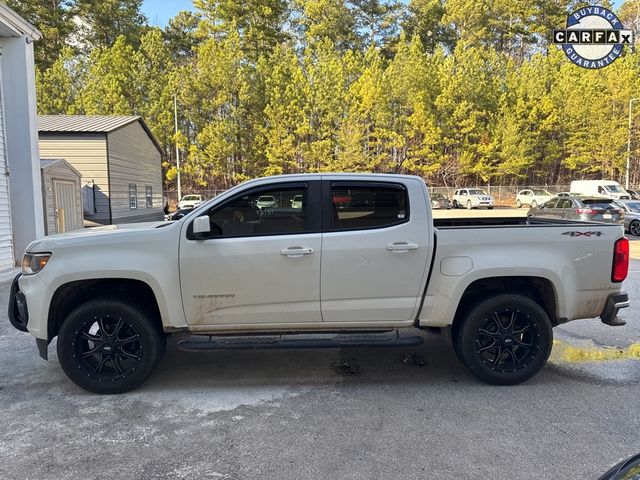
(442, 223)
(328, 254)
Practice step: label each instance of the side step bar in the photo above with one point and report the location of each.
(297, 341)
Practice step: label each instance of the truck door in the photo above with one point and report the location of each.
(261, 262)
(375, 249)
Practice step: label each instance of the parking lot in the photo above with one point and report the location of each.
(358, 414)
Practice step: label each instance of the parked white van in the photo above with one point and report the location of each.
(601, 188)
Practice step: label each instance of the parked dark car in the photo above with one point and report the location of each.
(631, 215)
(180, 213)
(634, 194)
(583, 208)
(438, 200)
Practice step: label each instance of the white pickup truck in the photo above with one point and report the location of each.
(341, 260)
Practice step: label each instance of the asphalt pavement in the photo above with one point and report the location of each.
(329, 414)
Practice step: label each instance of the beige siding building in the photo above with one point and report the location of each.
(119, 160)
(61, 196)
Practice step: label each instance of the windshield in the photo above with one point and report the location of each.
(541, 192)
(477, 191)
(191, 197)
(633, 206)
(614, 188)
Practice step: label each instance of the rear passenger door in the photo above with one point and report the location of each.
(549, 209)
(565, 208)
(375, 248)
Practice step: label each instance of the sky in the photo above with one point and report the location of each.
(160, 11)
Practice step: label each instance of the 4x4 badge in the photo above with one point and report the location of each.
(583, 234)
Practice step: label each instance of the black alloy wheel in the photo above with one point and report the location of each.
(109, 346)
(634, 228)
(505, 339)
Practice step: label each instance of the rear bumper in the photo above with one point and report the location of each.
(615, 302)
(18, 312)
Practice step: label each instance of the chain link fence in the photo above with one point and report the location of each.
(504, 195)
(171, 196)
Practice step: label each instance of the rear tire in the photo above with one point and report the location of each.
(518, 204)
(109, 346)
(455, 204)
(504, 340)
(534, 204)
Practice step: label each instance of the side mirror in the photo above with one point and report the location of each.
(201, 227)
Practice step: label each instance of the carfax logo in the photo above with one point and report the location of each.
(594, 37)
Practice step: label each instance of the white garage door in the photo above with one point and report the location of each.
(6, 243)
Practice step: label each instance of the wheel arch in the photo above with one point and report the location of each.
(74, 293)
(539, 289)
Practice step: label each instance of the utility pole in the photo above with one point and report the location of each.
(175, 118)
(626, 180)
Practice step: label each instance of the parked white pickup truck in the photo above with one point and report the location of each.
(235, 275)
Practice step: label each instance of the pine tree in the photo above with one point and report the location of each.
(54, 20)
(57, 86)
(100, 23)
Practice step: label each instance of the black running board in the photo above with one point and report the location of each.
(289, 342)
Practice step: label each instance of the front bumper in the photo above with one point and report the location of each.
(18, 312)
(19, 315)
(615, 302)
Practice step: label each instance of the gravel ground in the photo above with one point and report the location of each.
(307, 415)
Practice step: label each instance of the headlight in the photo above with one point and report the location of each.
(34, 262)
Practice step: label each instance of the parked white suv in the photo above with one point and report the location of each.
(190, 201)
(266, 201)
(532, 198)
(472, 198)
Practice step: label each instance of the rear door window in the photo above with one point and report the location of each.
(365, 206)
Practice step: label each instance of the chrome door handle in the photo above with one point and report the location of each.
(402, 247)
(294, 252)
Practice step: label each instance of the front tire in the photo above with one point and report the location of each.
(518, 204)
(109, 346)
(469, 206)
(504, 340)
(634, 228)
(534, 204)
